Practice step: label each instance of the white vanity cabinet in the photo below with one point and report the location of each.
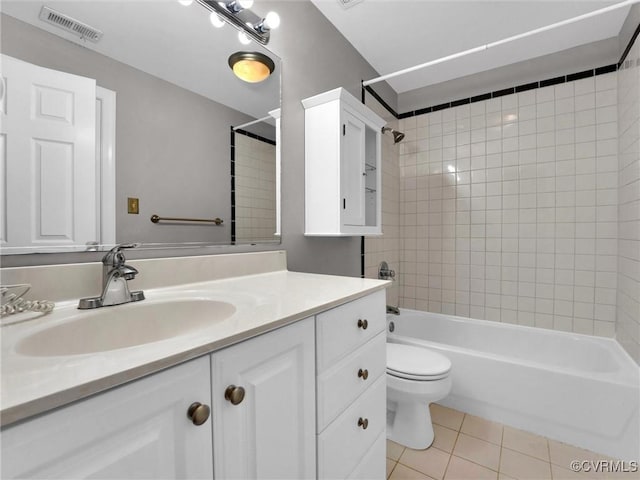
(351, 389)
(264, 406)
(263, 395)
(138, 430)
(342, 166)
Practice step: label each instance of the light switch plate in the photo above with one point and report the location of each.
(133, 205)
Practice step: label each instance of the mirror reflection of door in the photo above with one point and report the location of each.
(49, 162)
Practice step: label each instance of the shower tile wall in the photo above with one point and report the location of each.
(628, 306)
(509, 210)
(386, 247)
(255, 180)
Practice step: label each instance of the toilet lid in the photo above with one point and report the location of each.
(416, 363)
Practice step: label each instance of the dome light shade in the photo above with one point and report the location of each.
(252, 67)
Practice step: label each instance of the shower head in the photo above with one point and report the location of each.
(397, 136)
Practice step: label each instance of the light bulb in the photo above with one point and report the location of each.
(215, 20)
(272, 20)
(243, 38)
(186, 3)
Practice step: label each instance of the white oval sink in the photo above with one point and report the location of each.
(111, 328)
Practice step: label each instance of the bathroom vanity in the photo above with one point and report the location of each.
(233, 399)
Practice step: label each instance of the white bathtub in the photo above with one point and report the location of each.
(577, 389)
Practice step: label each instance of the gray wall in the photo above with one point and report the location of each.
(316, 58)
(583, 57)
(172, 146)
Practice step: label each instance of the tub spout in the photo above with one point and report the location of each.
(393, 310)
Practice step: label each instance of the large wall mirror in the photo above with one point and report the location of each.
(98, 137)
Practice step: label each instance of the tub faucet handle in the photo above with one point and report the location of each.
(385, 273)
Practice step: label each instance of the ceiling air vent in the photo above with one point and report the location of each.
(348, 3)
(70, 24)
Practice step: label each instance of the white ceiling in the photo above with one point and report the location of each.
(396, 34)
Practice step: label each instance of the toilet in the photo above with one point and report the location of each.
(416, 377)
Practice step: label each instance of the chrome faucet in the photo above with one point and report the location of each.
(115, 275)
(386, 273)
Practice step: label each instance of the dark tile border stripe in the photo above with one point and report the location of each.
(253, 135)
(629, 46)
(233, 186)
(499, 93)
(379, 99)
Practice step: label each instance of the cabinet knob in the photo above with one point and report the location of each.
(363, 422)
(363, 374)
(234, 394)
(363, 324)
(198, 413)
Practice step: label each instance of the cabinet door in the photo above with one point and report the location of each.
(139, 430)
(352, 173)
(271, 432)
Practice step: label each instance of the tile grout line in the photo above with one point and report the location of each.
(500, 456)
(444, 474)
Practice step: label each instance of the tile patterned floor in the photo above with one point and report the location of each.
(472, 448)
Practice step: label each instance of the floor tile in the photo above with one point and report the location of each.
(394, 450)
(525, 442)
(432, 462)
(482, 429)
(461, 469)
(404, 473)
(445, 416)
(445, 438)
(390, 466)
(478, 451)
(502, 476)
(523, 467)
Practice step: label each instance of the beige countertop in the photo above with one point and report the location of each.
(31, 384)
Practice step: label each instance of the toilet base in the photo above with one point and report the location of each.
(409, 424)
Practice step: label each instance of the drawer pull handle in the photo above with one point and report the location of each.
(363, 324)
(363, 374)
(363, 422)
(234, 394)
(198, 413)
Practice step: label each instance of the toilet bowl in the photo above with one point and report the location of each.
(416, 377)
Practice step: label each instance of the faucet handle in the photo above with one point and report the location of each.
(115, 257)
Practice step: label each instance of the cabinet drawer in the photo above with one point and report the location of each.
(343, 443)
(342, 383)
(374, 464)
(338, 333)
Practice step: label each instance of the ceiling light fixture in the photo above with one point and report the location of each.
(252, 67)
(238, 14)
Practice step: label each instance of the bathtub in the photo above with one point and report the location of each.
(574, 388)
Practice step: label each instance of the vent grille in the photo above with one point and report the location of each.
(71, 25)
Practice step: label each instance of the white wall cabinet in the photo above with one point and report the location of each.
(138, 430)
(343, 177)
(270, 431)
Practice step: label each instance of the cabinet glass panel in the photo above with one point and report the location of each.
(371, 177)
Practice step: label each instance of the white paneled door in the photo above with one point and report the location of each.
(47, 154)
